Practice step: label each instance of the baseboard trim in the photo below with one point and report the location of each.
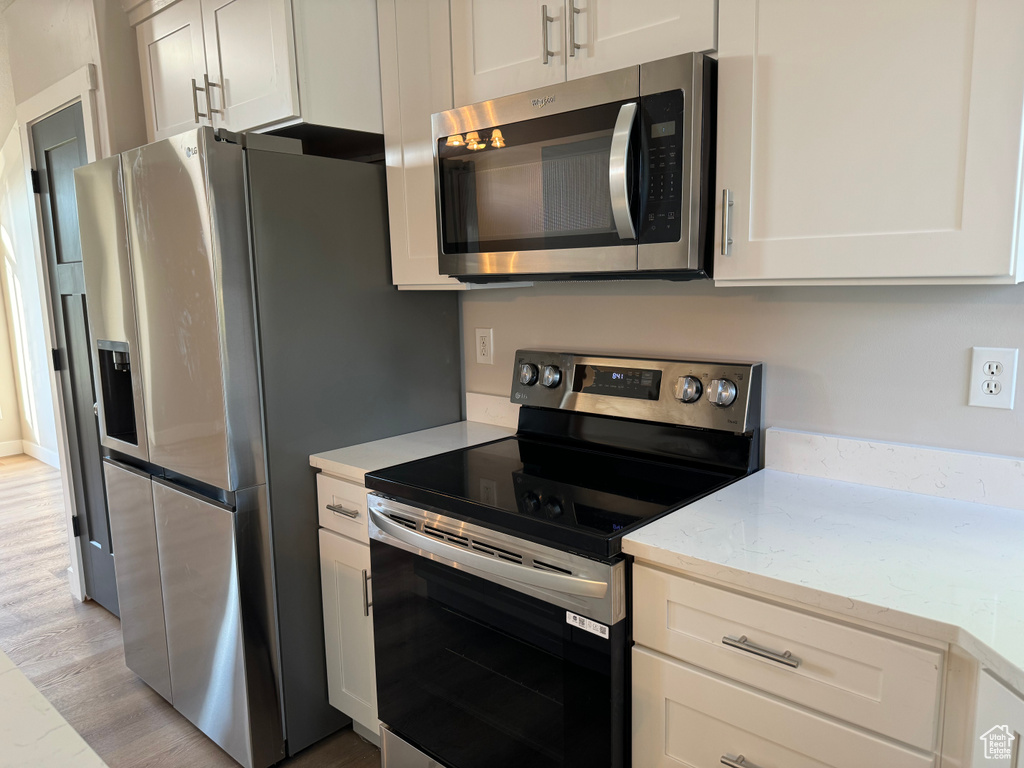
(11, 448)
(44, 455)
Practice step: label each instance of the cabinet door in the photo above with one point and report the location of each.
(873, 141)
(250, 50)
(348, 627)
(612, 34)
(171, 56)
(416, 81)
(683, 716)
(998, 725)
(498, 47)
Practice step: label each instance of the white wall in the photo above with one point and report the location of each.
(48, 40)
(10, 423)
(889, 363)
(24, 316)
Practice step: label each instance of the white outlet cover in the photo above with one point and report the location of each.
(981, 381)
(484, 340)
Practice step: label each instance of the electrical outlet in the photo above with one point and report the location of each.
(993, 377)
(484, 346)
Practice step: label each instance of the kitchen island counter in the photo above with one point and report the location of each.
(32, 732)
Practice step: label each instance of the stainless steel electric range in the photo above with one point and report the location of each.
(500, 592)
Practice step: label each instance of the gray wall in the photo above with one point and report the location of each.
(888, 363)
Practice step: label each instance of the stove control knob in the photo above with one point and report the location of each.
(688, 389)
(553, 508)
(528, 374)
(531, 503)
(552, 377)
(722, 392)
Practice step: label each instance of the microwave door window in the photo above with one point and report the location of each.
(542, 184)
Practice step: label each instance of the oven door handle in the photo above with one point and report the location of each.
(618, 171)
(422, 544)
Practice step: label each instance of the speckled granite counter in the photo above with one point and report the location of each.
(32, 732)
(936, 567)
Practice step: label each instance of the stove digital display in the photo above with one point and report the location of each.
(637, 383)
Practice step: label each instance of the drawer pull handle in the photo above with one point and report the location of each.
(339, 510)
(737, 762)
(743, 644)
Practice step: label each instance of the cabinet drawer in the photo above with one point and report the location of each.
(685, 717)
(877, 682)
(349, 501)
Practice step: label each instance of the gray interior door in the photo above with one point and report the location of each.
(59, 148)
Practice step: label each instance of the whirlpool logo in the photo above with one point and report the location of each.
(540, 103)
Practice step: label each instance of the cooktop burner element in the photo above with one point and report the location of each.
(604, 446)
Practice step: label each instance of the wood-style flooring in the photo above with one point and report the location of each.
(72, 651)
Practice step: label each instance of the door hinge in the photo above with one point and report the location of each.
(37, 185)
(75, 528)
(56, 360)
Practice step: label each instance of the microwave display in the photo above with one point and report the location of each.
(668, 128)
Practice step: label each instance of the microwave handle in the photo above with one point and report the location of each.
(618, 175)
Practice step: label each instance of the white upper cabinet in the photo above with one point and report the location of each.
(250, 55)
(172, 57)
(612, 34)
(498, 47)
(268, 63)
(871, 141)
(416, 81)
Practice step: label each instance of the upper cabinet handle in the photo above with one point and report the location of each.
(573, 45)
(209, 102)
(544, 21)
(726, 222)
(195, 101)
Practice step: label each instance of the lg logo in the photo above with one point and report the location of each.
(191, 151)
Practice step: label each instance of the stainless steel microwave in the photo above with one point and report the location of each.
(609, 176)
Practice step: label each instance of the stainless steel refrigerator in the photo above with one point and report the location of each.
(242, 318)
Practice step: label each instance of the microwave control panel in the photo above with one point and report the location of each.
(663, 177)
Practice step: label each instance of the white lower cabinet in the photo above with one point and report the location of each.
(685, 716)
(998, 726)
(348, 628)
(718, 674)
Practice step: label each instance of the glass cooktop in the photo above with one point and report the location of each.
(573, 498)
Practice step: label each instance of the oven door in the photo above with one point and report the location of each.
(478, 674)
(542, 182)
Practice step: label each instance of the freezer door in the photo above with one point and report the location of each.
(112, 325)
(137, 569)
(190, 260)
(220, 641)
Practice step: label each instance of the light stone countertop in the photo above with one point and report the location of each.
(32, 733)
(354, 462)
(940, 568)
